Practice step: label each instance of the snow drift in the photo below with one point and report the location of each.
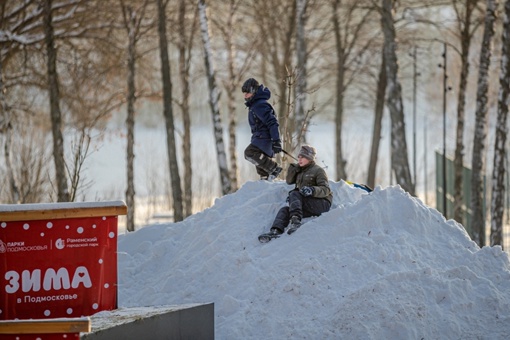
(378, 265)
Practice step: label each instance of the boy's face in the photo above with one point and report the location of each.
(302, 161)
(247, 95)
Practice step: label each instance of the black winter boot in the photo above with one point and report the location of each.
(275, 231)
(276, 171)
(295, 223)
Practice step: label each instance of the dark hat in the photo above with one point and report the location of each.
(250, 86)
(308, 152)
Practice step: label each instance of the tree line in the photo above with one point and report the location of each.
(77, 62)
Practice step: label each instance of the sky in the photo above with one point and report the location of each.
(376, 266)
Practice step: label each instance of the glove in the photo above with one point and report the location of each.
(277, 146)
(295, 167)
(306, 191)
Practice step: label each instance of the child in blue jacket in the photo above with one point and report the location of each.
(265, 139)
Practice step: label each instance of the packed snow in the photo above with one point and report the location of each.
(377, 266)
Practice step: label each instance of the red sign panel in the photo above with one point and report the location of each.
(58, 268)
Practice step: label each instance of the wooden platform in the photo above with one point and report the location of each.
(45, 326)
(41, 211)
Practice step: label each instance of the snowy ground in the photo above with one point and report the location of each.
(377, 266)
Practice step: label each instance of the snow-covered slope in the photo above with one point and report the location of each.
(377, 266)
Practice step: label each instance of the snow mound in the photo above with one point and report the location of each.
(378, 265)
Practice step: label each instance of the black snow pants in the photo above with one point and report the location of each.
(300, 206)
(263, 163)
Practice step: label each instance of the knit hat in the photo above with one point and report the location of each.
(250, 86)
(308, 152)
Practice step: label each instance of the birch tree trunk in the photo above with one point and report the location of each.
(184, 73)
(399, 157)
(498, 174)
(168, 113)
(214, 95)
(480, 137)
(130, 23)
(465, 37)
(300, 93)
(232, 80)
(378, 115)
(55, 113)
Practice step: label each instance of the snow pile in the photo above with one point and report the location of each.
(378, 265)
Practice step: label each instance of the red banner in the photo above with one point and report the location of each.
(58, 268)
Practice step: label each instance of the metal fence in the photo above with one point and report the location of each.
(441, 195)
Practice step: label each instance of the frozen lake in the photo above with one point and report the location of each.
(106, 166)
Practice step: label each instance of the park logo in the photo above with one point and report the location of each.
(3, 247)
(60, 244)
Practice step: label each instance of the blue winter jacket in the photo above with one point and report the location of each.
(263, 121)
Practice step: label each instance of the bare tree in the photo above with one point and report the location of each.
(132, 18)
(185, 45)
(214, 94)
(76, 26)
(479, 141)
(131, 22)
(498, 172)
(55, 114)
(347, 29)
(399, 156)
(6, 128)
(23, 25)
(81, 147)
(168, 112)
(466, 33)
(287, 123)
(13, 185)
(287, 55)
(5, 117)
(301, 70)
(230, 87)
(234, 75)
(30, 163)
(378, 115)
(340, 91)
(277, 23)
